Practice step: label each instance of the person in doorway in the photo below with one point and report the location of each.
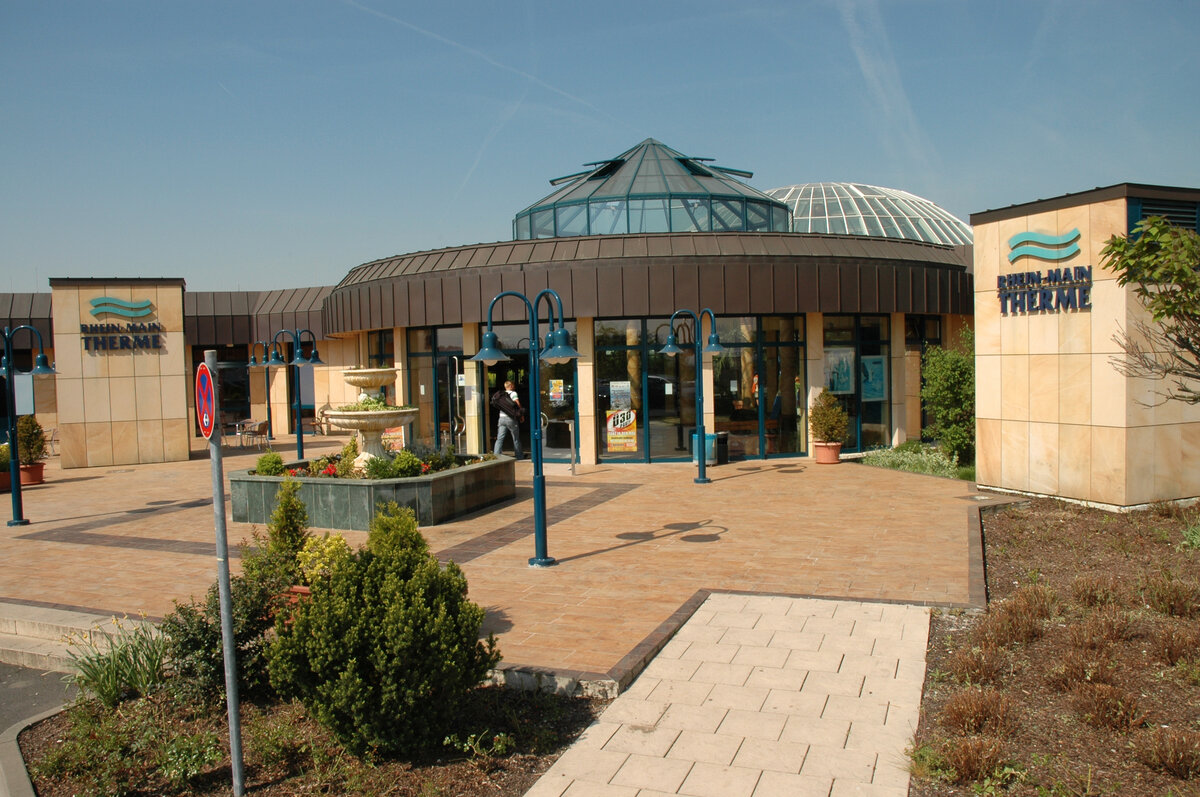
(509, 405)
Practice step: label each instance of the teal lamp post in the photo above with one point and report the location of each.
(298, 359)
(558, 350)
(41, 366)
(713, 347)
(266, 380)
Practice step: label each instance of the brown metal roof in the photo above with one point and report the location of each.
(633, 275)
(33, 309)
(1119, 191)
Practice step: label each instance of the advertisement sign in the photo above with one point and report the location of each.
(621, 429)
(874, 378)
(556, 390)
(619, 395)
(839, 371)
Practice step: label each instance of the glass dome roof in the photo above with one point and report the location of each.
(651, 188)
(857, 209)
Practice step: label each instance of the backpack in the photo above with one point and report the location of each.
(503, 402)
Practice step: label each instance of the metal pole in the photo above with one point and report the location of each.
(14, 462)
(701, 440)
(541, 556)
(227, 643)
(267, 389)
(299, 421)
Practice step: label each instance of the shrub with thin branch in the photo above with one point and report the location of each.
(982, 664)
(1093, 589)
(1106, 706)
(1101, 628)
(1171, 750)
(972, 758)
(1079, 667)
(1178, 644)
(979, 711)
(1017, 620)
(1172, 596)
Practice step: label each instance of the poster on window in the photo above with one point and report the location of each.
(621, 428)
(556, 391)
(620, 395)
(839, 371)
(873, 373)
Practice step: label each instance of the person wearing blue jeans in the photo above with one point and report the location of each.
(509, 422)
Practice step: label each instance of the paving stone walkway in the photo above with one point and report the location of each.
(765, 697)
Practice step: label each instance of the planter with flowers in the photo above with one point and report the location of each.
(5, 468)
(829, 423)
(341, 494)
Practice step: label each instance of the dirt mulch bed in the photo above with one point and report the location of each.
(1083, 677)
(287, 753)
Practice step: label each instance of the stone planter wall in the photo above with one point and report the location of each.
(351, 503)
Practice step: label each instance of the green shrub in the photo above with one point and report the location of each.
(5, 457)
(322, 555)
(269, 464)
(915, 459)
(128, 664)
(193, 635)
(948, 393)
(828, 419)
(345, 465)
(103, 750)
(387, 648)
(272, 561)
(31, 440)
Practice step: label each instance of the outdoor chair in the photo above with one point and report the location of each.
(252, 433)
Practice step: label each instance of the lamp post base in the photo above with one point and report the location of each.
(21, 522)
(705, 480)
(546, 561)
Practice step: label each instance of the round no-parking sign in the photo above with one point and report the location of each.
(206, 401)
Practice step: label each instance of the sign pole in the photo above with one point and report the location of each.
(208, 413)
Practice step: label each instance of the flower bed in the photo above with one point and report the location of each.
(350, 503)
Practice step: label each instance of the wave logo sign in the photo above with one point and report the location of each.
(107, 305)
(1044, 247)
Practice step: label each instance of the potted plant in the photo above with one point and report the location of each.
(31, 449)
(829, 423)
(5, 466)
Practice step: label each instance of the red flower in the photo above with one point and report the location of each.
(296, 472)
(330, 470)
(424, 467)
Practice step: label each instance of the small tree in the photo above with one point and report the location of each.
(31, 440)
(1162, 263)
(948, 393)
(388, 646)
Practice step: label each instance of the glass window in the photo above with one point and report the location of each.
(381, 352)
(571, 220)
(420, 341)
(619, 405)
(783, 329)
(608, 218)
(512, 336)
(618, 332)
(449, 339)
(690, 215)
(523, 228)
(648, 215)
(779, 220)
(543, 223)
(758, 216)
(873, 327)
(838, 328)
(659, 328)
(727, 215)
(737, 330)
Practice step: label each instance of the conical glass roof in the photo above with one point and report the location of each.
(651, 188)
(858, 209)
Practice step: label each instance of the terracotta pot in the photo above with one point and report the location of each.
(828, 453)
(33, 474)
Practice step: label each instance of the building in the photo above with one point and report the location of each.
(1054, 414)
(848, 304)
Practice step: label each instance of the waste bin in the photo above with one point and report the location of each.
(722, 448)
(710, 449)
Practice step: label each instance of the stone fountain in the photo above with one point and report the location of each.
(371, 423)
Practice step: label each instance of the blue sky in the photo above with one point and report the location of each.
(260, 144)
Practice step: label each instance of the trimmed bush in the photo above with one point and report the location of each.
(269, 464)
(388, 646)
(31, 440)
(827, 419)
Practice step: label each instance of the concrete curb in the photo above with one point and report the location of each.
(14, 778)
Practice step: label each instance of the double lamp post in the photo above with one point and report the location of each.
(558, 351)
(298, 359)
